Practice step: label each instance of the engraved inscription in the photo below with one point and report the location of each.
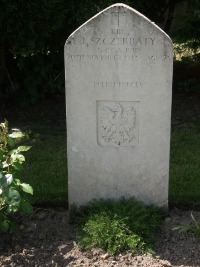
(117, 50)
(119, 41)
(101, 57)
(117, 31)
(117, 123)
(103, 84)
(154, 58)
(111, 49)
(119, 56)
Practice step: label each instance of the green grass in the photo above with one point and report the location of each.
(117, 226)
(184, 186)
(46, 165)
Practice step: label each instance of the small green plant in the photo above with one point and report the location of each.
(194, 227)
(13, 193)
(117, 226)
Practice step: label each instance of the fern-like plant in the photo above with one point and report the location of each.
(118, 226)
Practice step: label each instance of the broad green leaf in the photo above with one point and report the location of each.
(6, 180)
(26, 207)
(13, 200)
(10, 141)
(13, 157)
(12, 152)
(17, 181)
(5, 164)
(23, 148)
(20, 157)
(27, 188)
(16, 135)
(17, 166)
(9, 178)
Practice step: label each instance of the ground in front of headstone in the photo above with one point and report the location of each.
(46, 239)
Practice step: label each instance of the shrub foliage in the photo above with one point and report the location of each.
(33, 34)
(13, 193)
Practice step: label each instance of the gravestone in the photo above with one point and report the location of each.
(118, 68)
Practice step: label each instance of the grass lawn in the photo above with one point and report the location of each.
(46, 167)
(184, 186)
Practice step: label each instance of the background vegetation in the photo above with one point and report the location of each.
(33, 34)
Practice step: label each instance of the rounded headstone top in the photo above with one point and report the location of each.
(111, 10)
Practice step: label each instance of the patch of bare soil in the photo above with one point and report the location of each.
(46, 239)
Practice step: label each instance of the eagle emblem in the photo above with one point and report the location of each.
(118, 123)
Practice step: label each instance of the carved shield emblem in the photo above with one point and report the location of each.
(117, 123)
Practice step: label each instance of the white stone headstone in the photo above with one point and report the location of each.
(118, 68)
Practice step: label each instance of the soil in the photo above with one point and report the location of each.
(46, 239)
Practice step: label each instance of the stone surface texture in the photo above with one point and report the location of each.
(118, 68)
